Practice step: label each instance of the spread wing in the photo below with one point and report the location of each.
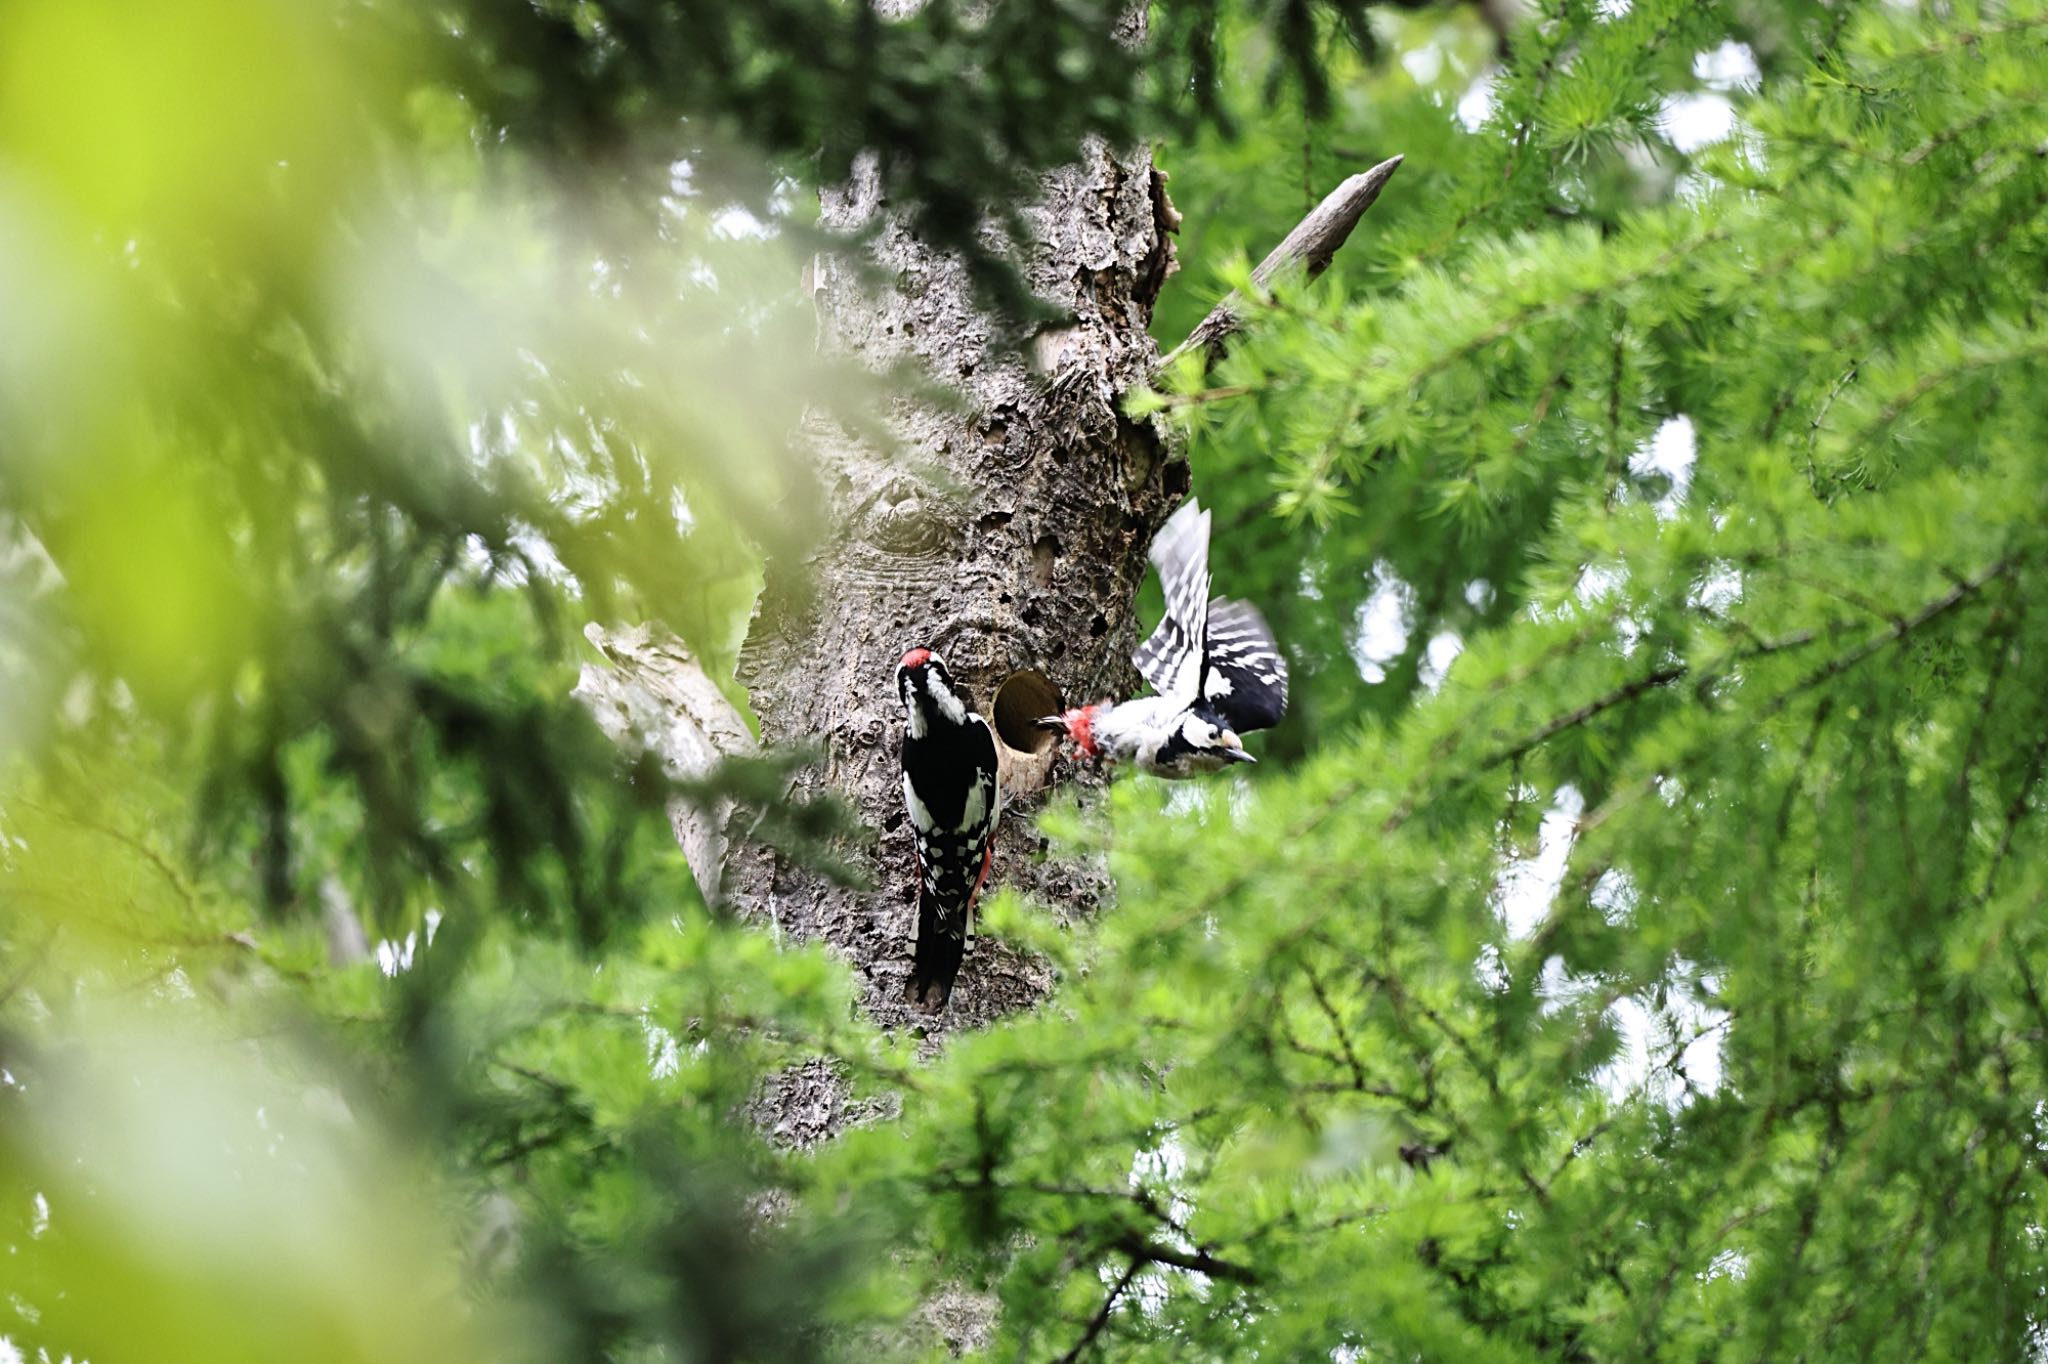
(1244, 675)
(1171, 660)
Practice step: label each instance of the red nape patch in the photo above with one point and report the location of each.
(916, 658)
(1080, 724)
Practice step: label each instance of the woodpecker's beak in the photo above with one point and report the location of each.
(1057, 724)
(1233, 747)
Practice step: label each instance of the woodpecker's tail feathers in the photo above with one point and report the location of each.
(942, 940)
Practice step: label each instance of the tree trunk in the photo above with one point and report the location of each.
(1008, 533)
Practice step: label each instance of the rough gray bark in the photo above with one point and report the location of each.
(1006, 528)
(1008, 532)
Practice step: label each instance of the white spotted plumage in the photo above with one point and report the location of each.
(1211, 661)
(952, 800)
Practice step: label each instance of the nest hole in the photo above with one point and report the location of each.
(1026, 697)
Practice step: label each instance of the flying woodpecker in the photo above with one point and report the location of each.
(1212, 663)
(950, 792)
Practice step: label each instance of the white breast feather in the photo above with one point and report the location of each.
(919, 815)
(949, 705)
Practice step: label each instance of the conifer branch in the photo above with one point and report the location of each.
(1101, 1317)
(1197, 1261)
(136, 845)
(1312, 245)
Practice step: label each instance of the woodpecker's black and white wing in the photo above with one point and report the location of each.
(952, 796)
(1171, 660)
(1244, 674)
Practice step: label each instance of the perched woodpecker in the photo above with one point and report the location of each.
(1212, 663)
(950, 792)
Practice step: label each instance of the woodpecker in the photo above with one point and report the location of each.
(1212, 663)
(950, 792)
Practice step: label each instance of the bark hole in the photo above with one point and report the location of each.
(1045, 556)
(1025, 750)
(1179, 478)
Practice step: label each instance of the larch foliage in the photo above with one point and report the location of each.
(1630, 948)
(1666, 983)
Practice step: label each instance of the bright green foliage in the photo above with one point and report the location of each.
(1665, 985)
(1660, 979)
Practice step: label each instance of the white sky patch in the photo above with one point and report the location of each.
(1726, 1264)
(1528, 885)
(1729, 67)
(1437, 658)
(1597, 582)
(1490, 970)
(1615, 896)
(393, 957)
(1696, 119)
(1479, 594)
(1717, 591)
(10, 1353)
(1558, 988)
(1475, 106)
(1672, 452)
(40, 1223)
(1673, 1054)
(735, 221)
(1161, 1168)
(664, 1050)
(1384, 620)
(541, 555)
(1424, 63)
(1694, 186)
(1613, 9)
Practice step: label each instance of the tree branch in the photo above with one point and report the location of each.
(1200, 1261)
(1312, 245)
(1101, 1317)
(657, 696)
